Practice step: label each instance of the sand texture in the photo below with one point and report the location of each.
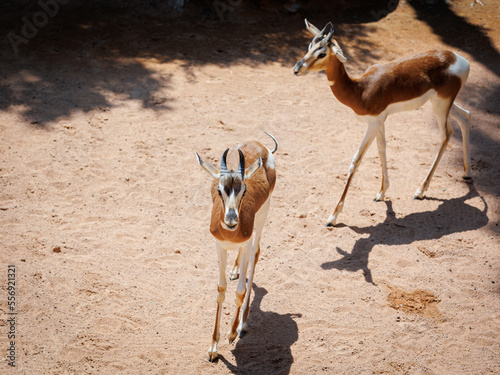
(104, 210)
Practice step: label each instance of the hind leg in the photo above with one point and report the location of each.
(383, 162)
(234, 273)
(463, 118)
(441, 108)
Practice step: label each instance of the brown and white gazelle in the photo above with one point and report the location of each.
(402, 85)
(240, 205)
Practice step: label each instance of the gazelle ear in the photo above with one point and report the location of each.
(208, 167)
(253, 168)
(311, 28)
(338, 51)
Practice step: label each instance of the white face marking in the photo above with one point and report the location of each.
(319, 52)
(231, 203)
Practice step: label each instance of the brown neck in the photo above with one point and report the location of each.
(345, 89)
(222, 234)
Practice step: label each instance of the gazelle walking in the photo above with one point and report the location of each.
(402, 85)
(240, 205)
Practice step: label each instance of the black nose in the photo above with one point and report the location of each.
(231, 215)
(297, 67)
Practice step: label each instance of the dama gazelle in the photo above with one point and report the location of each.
(241, 201)
(402, 85)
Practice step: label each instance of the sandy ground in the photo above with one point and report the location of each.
(104, 210)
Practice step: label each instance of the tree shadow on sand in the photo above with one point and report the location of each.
(266, 348)
(457, 31)
(452, 216)
(90, 54)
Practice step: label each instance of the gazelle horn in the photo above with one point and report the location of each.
(241, 167)
(223, 165)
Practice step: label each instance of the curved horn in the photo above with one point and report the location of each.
(324, 32)
(326, 37)
(223, 165)
(241, 167)
(323, 36)
(330, 34)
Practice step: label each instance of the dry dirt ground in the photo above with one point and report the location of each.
(104, 210)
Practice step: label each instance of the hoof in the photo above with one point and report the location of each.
(242, 329)
(332, 219)
(242, 333)
(234, 274)
(232, 336)
(419, 195)
(212, 357)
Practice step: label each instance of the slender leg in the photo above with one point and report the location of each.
(242, 328)
(260, 220)
(383, 162)
(463, 118)
(441, 109)
(212, 351)
(240, 289)
(233, 274)
(373, 128)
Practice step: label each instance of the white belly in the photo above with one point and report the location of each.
(227, 245)
(408, 105)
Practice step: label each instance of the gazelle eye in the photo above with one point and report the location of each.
(244, 192)
(321, 55)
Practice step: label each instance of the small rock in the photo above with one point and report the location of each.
(56, 249)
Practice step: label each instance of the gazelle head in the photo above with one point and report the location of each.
(321, 49)
(231, 186)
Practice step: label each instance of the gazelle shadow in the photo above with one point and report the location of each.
(266, 348)
(452, 216)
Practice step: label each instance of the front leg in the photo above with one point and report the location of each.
(222, 285)
(240, 290)
(373, 128)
